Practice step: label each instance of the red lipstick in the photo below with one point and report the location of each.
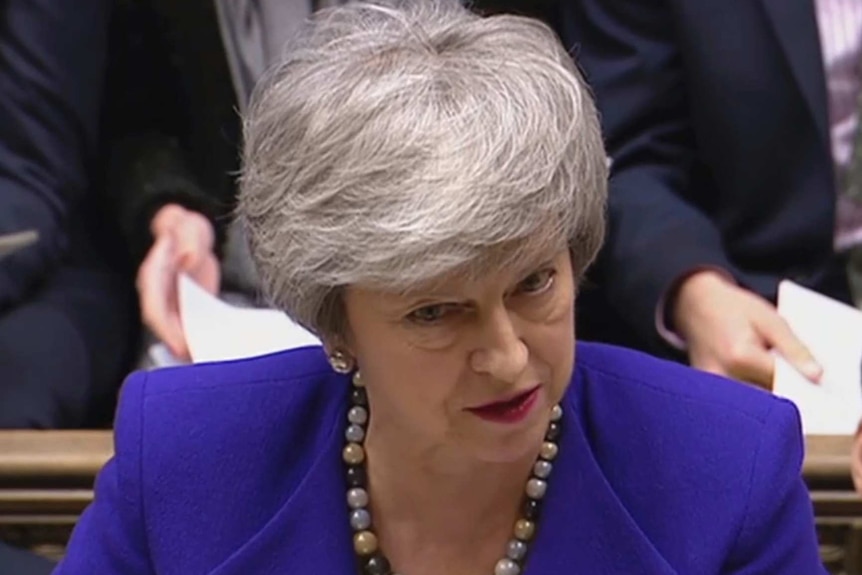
(512, 410)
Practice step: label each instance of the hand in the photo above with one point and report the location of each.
(184, 242)
(730, 331)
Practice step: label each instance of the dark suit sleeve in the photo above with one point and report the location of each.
(110, 536)
(148, 171)
(778, 534)
(52, 57)
(148, 114)
(631, 57)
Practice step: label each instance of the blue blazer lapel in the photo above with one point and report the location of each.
(794, 23)
(584, 527)
(310, 534)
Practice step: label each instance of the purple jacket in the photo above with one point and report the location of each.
(235, 469)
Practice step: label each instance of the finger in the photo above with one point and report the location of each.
(778, 335)
(755, 365)
(208, 274)
(151, 280)
(194, 241)
(707, 364)
(747, 374)
(177, 344)
(156, 282)
(746, 359)
(175, 337)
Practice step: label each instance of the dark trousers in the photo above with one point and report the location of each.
(16, 562)
(64, 352)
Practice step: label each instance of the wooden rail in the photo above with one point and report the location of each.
(46, 480)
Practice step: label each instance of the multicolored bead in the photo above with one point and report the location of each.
(549, 451)
(536, 488)
(354, 454)
(524, 529)
(360, 519)
(357, 498)
(365, 542)
(507, 567)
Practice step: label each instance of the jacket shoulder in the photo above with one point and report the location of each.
(708, 443)
(229, 441)
(243, 409)
(625, 373)
(282, 368)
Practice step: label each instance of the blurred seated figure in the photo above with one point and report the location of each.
(736, 164)
(423, 189)
(183, 73)
(67, 315)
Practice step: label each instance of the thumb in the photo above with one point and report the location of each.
(157, 278)
(758, 368)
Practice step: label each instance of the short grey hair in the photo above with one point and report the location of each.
(397, 142)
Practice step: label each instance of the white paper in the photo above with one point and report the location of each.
(217, 331)
(832, 331)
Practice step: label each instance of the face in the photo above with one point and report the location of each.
(467, 368)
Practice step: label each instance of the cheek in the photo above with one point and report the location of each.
(414, 383)
(558, 357)
(434, 339)
(553, 341)
(556, 348)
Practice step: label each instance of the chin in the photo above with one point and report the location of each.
(516, 444)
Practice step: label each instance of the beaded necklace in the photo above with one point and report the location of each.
(371, 559)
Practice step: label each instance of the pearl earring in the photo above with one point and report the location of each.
(340, 362)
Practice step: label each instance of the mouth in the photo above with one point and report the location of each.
(510, 410)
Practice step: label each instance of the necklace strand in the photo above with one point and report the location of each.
(371, 559)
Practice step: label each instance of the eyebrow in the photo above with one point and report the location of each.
(529, 268)
(420, 296)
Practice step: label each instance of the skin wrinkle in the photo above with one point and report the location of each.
(504, 334)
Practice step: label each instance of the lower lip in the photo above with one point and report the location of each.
(509, 412)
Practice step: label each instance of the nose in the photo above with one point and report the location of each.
(501, 353)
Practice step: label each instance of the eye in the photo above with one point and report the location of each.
(430, 314)
(537, 282)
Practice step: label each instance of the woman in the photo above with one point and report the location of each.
(423, 188)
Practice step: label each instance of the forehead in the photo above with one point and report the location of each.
(496, 271)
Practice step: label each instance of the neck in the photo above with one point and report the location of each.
(431, 497)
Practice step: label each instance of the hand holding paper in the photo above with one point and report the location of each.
(730, 330)
(183, 243)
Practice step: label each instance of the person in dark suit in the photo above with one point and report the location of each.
(730, 126)
(67, 315)
(423, 189)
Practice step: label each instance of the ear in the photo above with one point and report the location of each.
(343, 341)
(333, 343)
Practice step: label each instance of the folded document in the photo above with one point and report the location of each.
(832, 331)
(218, 331)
